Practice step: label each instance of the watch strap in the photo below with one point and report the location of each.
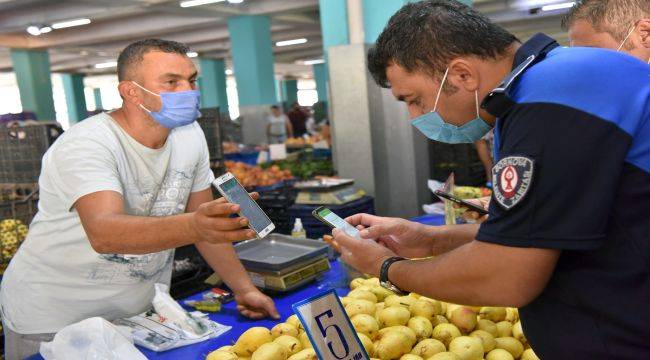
(385, 266)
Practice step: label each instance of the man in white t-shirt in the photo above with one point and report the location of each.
(278, 127)
(118, 192)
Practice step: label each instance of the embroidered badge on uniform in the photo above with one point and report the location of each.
(511, 177)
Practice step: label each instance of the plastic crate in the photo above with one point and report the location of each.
(22, 149)
(461, 159)
(315, 228)
(210, 123)
(276, 201)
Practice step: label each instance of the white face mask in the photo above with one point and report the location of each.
(626, 37)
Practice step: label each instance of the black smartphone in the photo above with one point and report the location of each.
(470, 206)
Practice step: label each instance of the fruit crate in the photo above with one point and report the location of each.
(315, 228)
(15, 217)
(210, 123)
(22, 149)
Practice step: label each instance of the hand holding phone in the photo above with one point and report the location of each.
(443, 195)
(334, 221)
(234, 192)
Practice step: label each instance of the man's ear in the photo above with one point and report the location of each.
(129, 93)
(463, 74)
(643, 29)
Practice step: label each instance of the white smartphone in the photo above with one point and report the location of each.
(328, 217)
(231, 189)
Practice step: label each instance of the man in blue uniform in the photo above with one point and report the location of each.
(568, 237)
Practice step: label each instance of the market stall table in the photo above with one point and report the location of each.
(336, 279)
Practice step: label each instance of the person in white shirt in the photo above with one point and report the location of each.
(278, 127)
(118, 192)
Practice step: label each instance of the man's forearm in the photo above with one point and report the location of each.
(127, 234)
(449, 237)
(479, 273)
(222, 258)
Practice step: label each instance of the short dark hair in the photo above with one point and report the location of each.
(275, 107)
(134, 52)
(615, 17)
(426, 35)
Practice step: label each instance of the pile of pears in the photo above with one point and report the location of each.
(410, 327)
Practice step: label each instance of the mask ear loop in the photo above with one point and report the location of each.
(147, 90)
(444, 77)
(624, 40)
(476, 96)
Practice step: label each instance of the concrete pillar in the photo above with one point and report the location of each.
(374, 141)
(75, 99)
(289, 89)
(334, 22)
(97, 94)
(252, 56)
(32, 69)
(375, 16)
(320, 76)
(212, 83)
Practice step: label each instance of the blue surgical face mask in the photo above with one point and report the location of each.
(435, 128)
(178, 108)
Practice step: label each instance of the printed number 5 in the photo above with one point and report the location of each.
(324, 329)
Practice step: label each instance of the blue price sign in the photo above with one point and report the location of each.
(329, 328)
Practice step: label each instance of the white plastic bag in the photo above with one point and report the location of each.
(90, 339)
(167, 308)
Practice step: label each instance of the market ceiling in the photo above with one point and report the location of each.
(116, 23)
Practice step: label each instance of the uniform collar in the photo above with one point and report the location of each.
(497, 102)
(538, 45)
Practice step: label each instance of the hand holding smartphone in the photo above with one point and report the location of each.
(334, 221)
(463, 203)
(234, 192)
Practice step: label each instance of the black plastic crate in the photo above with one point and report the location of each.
(22, 149)
(315, 228)
(211, 125)
(276, 203)
(461, 159)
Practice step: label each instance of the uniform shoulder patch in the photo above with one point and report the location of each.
(511, 179)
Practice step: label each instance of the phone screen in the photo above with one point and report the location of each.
(337, 222)
(236, 194)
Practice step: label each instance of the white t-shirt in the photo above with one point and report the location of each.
(278, 125)
(56, 278)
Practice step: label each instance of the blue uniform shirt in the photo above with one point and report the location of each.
(573, 173)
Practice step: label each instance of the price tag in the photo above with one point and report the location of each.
(278, 151)
(329, 328)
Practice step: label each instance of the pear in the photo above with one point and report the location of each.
(291, 344)
(445, 333)
(512, 345)
(365, 324)
(504, 329)
(467, 348)
(495, 314)
(421, 326)
(270, 351)
(428, 347)
(393, 315)
(486, 338)
(251, 340)
(528, 354)
(488, 326)
(284, 329)
(499, 354)
(464, 318)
